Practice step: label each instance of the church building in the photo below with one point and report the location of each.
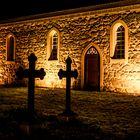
(103, 42)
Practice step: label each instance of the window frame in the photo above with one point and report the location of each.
(113, 38)
(50, 45)
(8, 49)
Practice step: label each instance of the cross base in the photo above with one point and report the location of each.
(67, 116)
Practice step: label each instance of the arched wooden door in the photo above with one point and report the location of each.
(92, 70)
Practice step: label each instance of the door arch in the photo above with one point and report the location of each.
(97, 50)
(92, 70)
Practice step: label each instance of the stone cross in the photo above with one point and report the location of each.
(31, 74)
(68, 74)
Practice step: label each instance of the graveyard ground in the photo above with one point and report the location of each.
(101, 116)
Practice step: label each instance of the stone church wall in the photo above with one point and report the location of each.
(77, 31)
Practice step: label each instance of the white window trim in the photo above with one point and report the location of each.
(49, 44)
(113, 30)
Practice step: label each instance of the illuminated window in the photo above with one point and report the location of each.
(53, 43)
(119, 52)
(119, 41)
(54, 46)
(10, 48)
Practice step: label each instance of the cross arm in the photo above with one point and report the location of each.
(40, 73)
(21, 73)
(74, 73)
(61, 74)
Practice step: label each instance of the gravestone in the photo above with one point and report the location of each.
(68, 74)
(31, 74)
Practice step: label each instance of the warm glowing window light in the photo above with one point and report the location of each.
(119, 52)
(53, 43)
(119, 42)
(54, 46)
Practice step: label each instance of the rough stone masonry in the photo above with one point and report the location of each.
(77, 31)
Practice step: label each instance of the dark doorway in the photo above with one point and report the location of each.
(92, 70)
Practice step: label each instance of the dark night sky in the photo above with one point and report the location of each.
(13, 9)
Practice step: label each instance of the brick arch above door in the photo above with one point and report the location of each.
(83, 64)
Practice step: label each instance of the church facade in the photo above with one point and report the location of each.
(103, 42)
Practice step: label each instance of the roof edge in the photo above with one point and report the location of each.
(72, 11)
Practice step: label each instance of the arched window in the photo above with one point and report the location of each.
(53, 45)
(119, 41)
(119, 52)
(10, 48)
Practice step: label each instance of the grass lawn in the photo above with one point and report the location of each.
(101, 116)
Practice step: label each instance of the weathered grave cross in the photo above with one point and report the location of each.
(68, 74)
(31, 73)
